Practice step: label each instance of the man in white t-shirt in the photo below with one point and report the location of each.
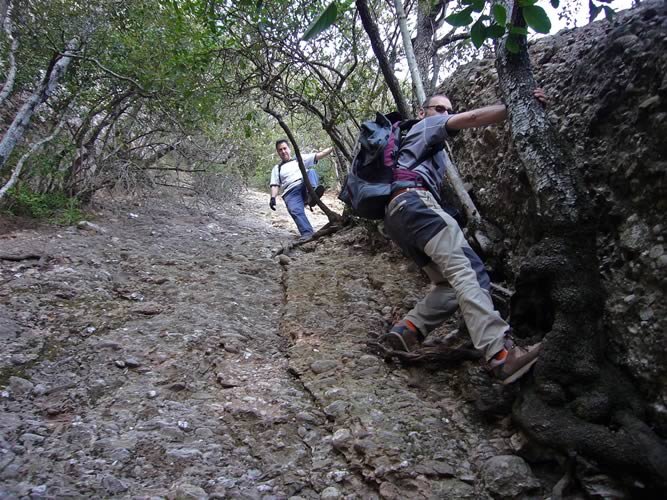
(286, 178)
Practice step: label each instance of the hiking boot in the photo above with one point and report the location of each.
(402, 337)
(516, 363)
(319, 191)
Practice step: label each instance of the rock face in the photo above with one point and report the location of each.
(607, 88)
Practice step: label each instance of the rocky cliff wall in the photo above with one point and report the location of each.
(607, 85)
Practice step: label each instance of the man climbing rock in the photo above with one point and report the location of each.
(286, 177)
(426, 233)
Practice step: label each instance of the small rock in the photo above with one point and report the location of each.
(38, 491)
(284, 260)
(147, 309)
(115, 346)
(113, 485)
(341, 438)
(646, 314)
(132, 362)
(39, 390)
(656, 251)
(189, 492)
(151, 394)
(119, 363)
(19, 359)
(30, 439)
(204, 432)
(330, 493)
(323, 365)
(630, 299)
(225, 382)
(89, 226)
(626, 41)
(435, 468)
(131, 215)
(20, 386)
(602, 486)
(508, 476)
(184, 426)
(649, 103)
(185, 453)
(120, 455)
(368, 360)
(232, 348)
(336, 409)
(634, 236)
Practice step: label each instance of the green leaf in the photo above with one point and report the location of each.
(478, 5)
(554, 3)
(519, 30)
(462, 18)
(500, 14)
(537, 19)
(344, 6)
(322, 22)
(512, 45)
(593, 11)
(527, 3)
(609, 13)
(495, 31)
(478, 33)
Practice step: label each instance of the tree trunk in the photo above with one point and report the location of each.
(86, 148)
(22, 119)
(11, 55)
(378, 49)
(16, 172)
(409, 52)
(424, 43)
(577, 402)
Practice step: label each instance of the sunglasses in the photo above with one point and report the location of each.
(440, 109)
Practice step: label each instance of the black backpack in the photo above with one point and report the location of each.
(367, 188)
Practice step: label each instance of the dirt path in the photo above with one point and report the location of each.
(169, 355)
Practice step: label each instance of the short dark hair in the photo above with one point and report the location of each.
(428, 100)
(280, 141)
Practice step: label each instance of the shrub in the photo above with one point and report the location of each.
(55, 207)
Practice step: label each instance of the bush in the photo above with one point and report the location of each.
(54, 207)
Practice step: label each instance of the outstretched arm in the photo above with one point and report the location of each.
(487, 115)
(323, 153)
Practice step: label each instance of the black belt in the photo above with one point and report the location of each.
(399, 192)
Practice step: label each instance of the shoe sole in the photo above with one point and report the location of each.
(519, 373)
(391, 338)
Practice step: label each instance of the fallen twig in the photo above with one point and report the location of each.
(435, 354)
(18, 258)
(324, 231)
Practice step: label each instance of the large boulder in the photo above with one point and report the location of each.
(607, 87)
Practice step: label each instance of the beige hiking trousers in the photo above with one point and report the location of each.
(433, 238)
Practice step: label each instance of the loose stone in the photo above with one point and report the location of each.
(330, 493)
(20, 386)
(323, 365)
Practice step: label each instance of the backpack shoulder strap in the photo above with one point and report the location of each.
(400, 129)
(280, 165)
